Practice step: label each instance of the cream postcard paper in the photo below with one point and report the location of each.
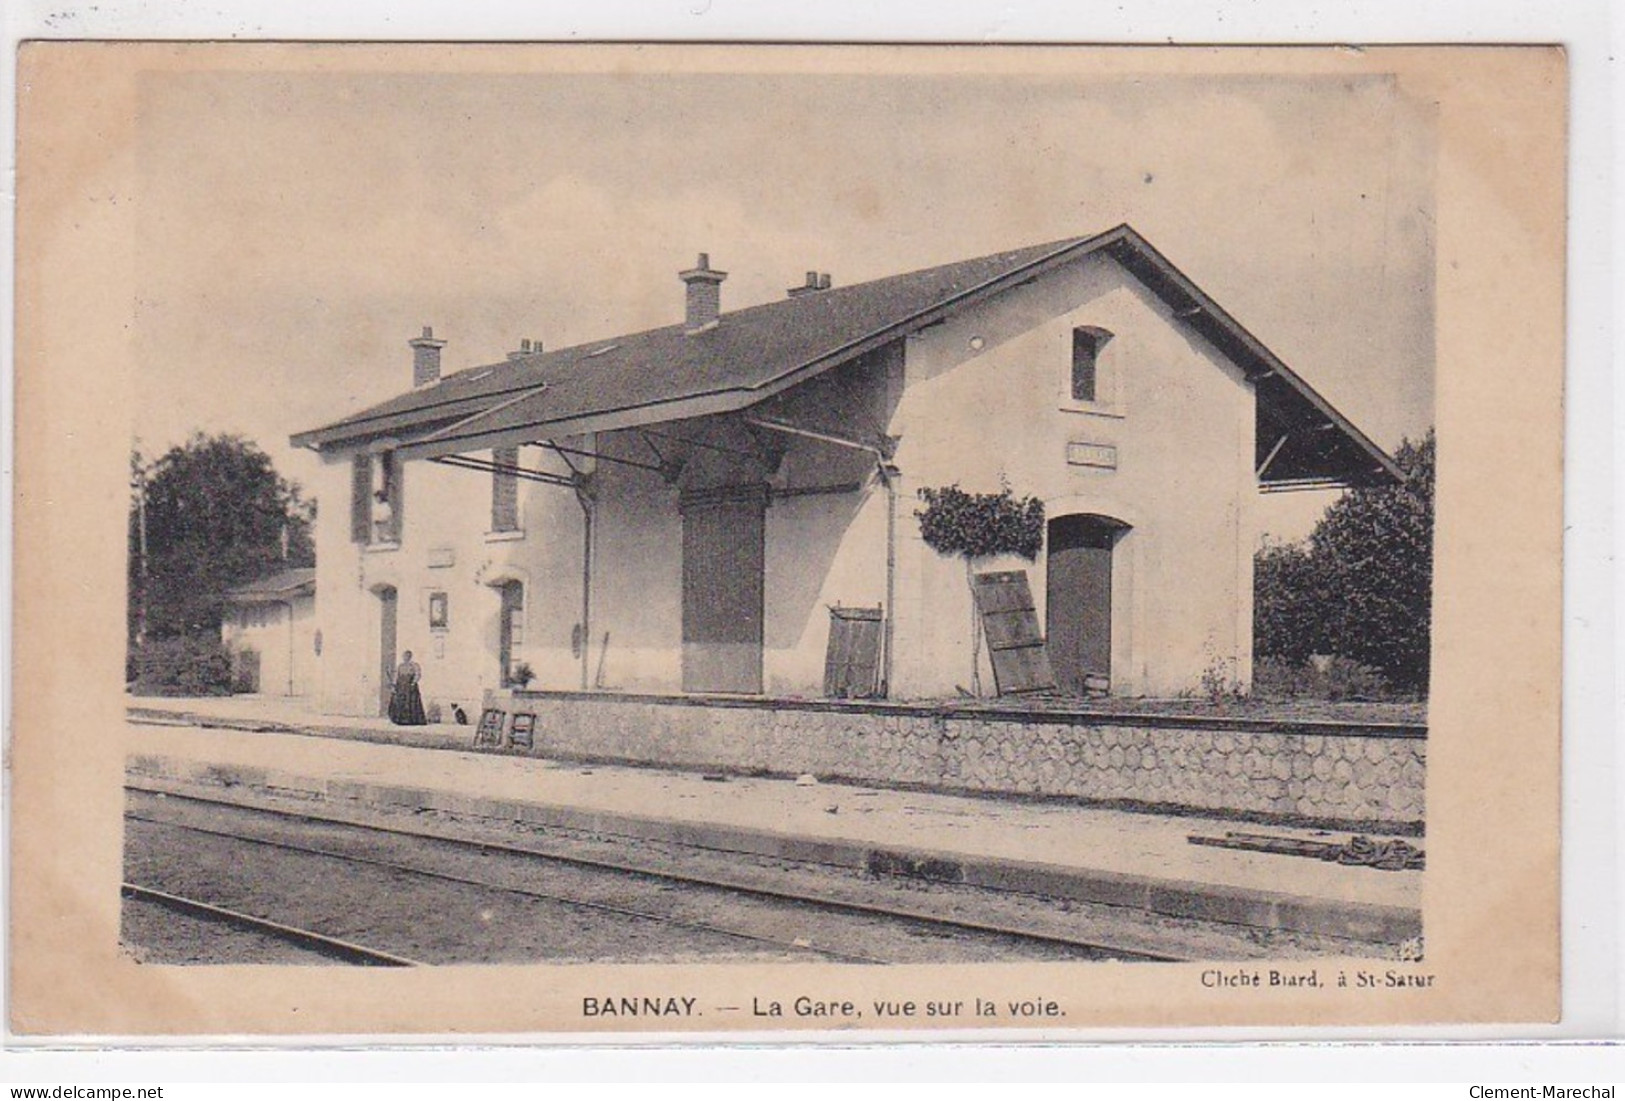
(648, 397)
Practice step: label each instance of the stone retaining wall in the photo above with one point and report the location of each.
(1312, 772)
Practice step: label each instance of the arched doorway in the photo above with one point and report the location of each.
(388, 607)
(510, 627)
(1078, 605)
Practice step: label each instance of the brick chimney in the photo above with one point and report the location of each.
(816, 281)
(704, 295)
(426, 358)
(527, 347)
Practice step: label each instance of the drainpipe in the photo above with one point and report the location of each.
(888, 474)
(888, 478)
(584, 499)
(581, 482)
(288, 604)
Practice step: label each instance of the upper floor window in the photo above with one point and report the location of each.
(505, 489)
(376, 498)
(1087, 345)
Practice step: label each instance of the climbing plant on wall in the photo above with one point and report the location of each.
(970, 526)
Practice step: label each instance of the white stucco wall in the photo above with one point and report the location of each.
(988, 398)
(983, 396)
(286, 648)
(822, 550)
(637, 579)
(446, 546)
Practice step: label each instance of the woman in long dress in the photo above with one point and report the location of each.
(406, 702)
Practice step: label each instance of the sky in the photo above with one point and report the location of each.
(295, 229)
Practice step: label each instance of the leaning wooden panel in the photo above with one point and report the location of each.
(1010, 624)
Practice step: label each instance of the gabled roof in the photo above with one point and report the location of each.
(668, 374)
(282, 585)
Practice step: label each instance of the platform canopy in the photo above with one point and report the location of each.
(669, 374)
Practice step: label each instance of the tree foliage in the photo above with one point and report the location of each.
(217, 515)
(194, 666)
(1362, 586)
(981, 525)
(1289, 603)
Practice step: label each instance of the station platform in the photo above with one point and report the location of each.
(1053, 848)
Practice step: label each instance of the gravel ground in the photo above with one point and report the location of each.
(421, 918)
(151, 932)
(443, 922)
(870, 937)
(1127, 929)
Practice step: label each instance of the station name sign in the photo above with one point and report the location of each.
(1102, 455)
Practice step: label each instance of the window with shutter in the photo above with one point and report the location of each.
(361, 499)
(390, 512)
(505, 489)
(376, 495)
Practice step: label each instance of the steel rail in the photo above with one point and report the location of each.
(826, 902)
(345, 950)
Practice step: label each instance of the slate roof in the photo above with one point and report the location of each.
(667, 374)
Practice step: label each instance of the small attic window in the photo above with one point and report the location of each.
(1087, 343)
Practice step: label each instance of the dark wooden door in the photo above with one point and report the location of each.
(387, 607)
(1079, 606)
(723, 555)
(248, 671)
(852, 659)
(510, 628)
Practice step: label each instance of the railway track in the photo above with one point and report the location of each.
(548, 896)
(308, 940)
(540, 858)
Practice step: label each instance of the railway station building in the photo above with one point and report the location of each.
(269, 630)
(697, 508)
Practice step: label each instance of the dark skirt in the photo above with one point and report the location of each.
(406, 704)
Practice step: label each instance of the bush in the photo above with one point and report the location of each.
(1219, 681)
(1336, 678)
(1362, 585)
(185, 666)
(1377, 547)
(981, 525)
(1290, 604)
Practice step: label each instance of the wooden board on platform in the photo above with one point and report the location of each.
(1010, 624)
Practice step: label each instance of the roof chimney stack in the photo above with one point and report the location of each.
(527, 347)
(426, 358)
(816, 281)
(704, 295)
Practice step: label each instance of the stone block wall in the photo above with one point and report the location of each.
(1309, 772)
